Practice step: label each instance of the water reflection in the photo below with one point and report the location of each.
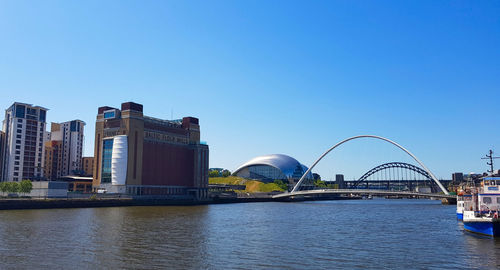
(319, 235)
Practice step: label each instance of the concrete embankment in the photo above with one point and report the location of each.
(26, 203)
(7, 204)
(13, 204)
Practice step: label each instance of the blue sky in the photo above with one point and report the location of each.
(291, 77)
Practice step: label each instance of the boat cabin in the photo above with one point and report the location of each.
(489, 194)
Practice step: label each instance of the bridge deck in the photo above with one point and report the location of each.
(362, 192)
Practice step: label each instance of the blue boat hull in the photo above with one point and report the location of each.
(460, 216)
(486, 228)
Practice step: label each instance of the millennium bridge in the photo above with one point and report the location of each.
(297, 193)
(373, 192)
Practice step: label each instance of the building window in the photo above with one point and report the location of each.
(19, 125)
(19, 120)
(16, 174)
(109, 114)
(18, 147)
(17, 158)
(18, 136)
(20, 110)
(107, 149)
(42, 116)
(16, 162)
(19, 131)
(487, 200)
(16, 168)
(18, 141)
(18, 152)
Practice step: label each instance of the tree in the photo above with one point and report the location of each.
(281, 184)
(320, 184)
(3, 187)
(213, 173)
(13, 187)
(25, 186)
(226, 173)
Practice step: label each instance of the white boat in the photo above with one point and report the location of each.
(481, 208)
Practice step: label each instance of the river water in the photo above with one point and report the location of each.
(379, 233)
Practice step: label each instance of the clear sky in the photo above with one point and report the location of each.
(291, 77)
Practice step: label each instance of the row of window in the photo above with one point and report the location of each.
(488, 200)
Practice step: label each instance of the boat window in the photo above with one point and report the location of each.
(487, 200)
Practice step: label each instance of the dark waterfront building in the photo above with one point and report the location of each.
(457, 177)
(339, 180)
(140, 155)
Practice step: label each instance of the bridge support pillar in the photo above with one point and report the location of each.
(449, 201)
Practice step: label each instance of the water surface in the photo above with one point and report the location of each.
(363, 234)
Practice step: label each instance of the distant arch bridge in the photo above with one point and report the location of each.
(394, 172)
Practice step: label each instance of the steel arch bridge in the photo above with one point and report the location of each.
(299, 183)
(393, 165)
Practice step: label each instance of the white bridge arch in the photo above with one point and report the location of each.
(297, 186)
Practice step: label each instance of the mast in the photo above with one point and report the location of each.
(490, 157)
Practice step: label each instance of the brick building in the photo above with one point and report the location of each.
(141, 155)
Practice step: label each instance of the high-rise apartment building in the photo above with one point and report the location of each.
(71, 135)
(88, 166)
(63, 153)
(53, 160)
(141, 155)
(2, 145)
(23, 153)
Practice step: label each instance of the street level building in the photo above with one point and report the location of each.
(23, 153)
(88, 166)
(141, 155)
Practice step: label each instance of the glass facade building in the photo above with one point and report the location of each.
(107, 150)
(272, 167)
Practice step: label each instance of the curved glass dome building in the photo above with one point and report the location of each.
(272, 167)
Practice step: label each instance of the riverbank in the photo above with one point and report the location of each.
(26, 203)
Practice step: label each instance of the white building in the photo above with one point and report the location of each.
(71, 135)
(23, 152)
